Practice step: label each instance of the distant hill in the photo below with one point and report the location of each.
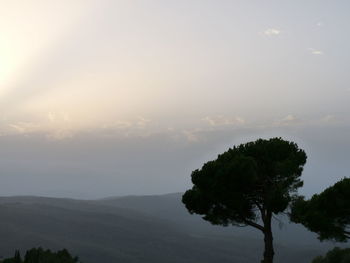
(170, 207)
(139, 229)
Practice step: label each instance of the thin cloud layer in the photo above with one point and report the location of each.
(272, 32)
(223, 121)
(316, 52)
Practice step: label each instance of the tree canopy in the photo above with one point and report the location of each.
(39, 255)
(327, 213)
(336, 255)
(247, 184)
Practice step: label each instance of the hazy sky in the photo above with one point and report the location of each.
(109, 97)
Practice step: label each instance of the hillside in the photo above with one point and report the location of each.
(169, 207)
(134, 229)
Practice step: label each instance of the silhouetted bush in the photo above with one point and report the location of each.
(336, 255)
(39, 255)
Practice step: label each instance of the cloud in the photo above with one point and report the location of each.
(223, 121)
(53, 125)
(27, 128)
(329, 118)
(117, 125)
(60, 134)
(136, 124)
(315, 51)
(288, 120)
(272, 32)
(191, 136)
(55, 117)
(320, 23)
(291, 120)
(142, 122)
(24, 127)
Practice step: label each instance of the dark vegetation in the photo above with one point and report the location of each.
(327, 213)
(39, 255)
(336, 255)
(246, 185)
(249, 183)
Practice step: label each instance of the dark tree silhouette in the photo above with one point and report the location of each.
(16, 259)
(327, 213)
(246, 185)
(336, 255)
(39, 255)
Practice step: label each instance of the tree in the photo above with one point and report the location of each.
(246, 185)
(16, 259)
(327, 213)
(39, 255)
(336, 255)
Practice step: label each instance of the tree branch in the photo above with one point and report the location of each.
(253, 224)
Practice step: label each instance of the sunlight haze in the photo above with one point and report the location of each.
(107, 98)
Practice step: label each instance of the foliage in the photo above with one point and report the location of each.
(327, 213)
(232, 188)
(247, 184)
(38, 255)
(16, 259)
(335, 255)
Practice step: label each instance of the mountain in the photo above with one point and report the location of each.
(139, 229)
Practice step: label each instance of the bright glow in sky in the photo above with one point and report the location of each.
(181, 69)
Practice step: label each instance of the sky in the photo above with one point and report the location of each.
(127, 97)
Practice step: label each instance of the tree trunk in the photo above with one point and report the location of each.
(268, 240)
(268, 252)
